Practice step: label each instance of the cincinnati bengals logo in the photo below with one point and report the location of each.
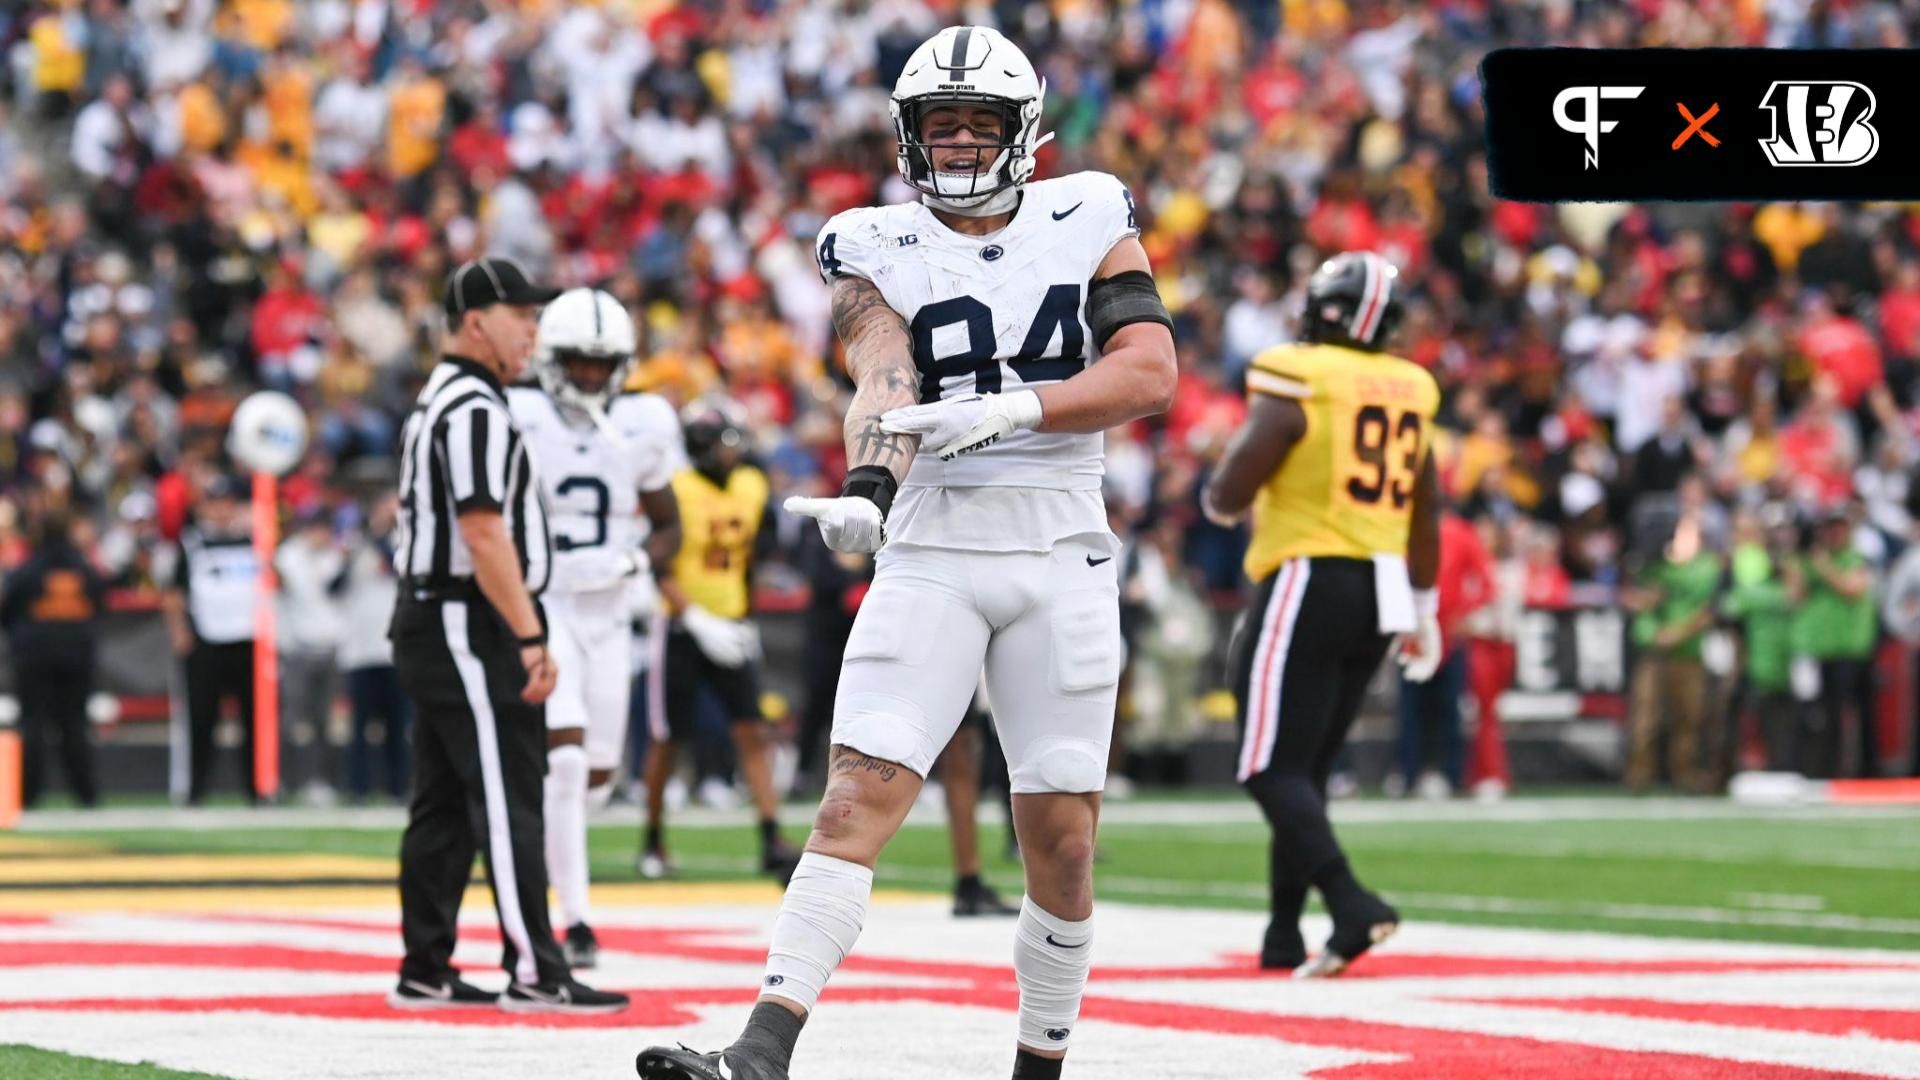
(1825, 123)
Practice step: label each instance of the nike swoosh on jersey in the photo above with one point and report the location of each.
(437, 993)
(1062, 215)
(1062, 944)
(1091, 561)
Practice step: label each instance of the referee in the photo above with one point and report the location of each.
(469, 640)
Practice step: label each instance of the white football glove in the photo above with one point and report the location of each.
(964, 424)
(727, 642)
(848, 523)
(1420, 651)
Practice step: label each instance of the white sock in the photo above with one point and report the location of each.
(1052, 974)
(566, 813)
(820, 919)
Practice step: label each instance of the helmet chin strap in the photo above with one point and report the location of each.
(1000, 202)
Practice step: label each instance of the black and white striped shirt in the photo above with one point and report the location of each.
(460, 452)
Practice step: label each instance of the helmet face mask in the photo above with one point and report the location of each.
(588, 377)
(1003, 159)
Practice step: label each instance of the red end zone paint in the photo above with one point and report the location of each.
(1396, 965)
(1412, 1051)
(225, 955)
(1900, 1025)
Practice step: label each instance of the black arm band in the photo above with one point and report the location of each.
(874, 483)
(1121, 300)
(537, 639)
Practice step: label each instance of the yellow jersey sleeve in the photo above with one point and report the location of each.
(1283, 371)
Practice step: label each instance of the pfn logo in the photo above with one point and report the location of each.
(1589, 125)
(1826, 124)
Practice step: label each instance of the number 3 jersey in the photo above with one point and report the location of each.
(993, 314)
(592, 479)
(1346, 489)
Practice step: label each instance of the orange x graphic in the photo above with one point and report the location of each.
(1697, 125)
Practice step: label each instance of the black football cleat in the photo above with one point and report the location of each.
(581, 947)
(972, 899)
(563, 997)
(448, 992)
(680, 1063)
(1353, 934)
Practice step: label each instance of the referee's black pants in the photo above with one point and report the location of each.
(215, 672)
(1310, 645)
(479, 764)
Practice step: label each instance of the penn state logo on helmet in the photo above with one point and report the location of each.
(268, 433)
(1352, 299)
(583, 333)
(969, 65)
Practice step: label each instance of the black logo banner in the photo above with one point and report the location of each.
(1647, 125)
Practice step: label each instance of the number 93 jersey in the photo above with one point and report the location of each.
(1346, 489)
(994, 313)
(592, 479)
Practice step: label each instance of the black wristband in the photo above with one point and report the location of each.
(874, 483)
(537, 639)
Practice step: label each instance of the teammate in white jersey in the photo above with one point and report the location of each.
(972, 321)
(604, 460)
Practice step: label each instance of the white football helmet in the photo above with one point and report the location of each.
(973, 65)
(584, 323)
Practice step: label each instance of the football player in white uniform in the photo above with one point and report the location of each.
(604, 460)
(972, 321)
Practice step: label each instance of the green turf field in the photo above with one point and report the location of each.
(25, 1061)
(1710, 870)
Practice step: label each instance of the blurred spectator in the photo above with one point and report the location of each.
(313, 574)
(1175, 638)
(373, 685)
(1765, 586)
(1674, 605)
(1429, 713)
(50, 610)
(1837, 627)
(210, 607)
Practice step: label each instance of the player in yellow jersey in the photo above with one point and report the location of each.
(1334, 461)
(708, 641)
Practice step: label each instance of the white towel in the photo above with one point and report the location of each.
(1393, 592)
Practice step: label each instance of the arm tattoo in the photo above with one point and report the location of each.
(880, 359)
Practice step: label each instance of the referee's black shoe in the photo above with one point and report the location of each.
(680, 1063)
(448, 992)
(563, 996)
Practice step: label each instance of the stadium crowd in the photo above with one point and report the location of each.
(1705, 412)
